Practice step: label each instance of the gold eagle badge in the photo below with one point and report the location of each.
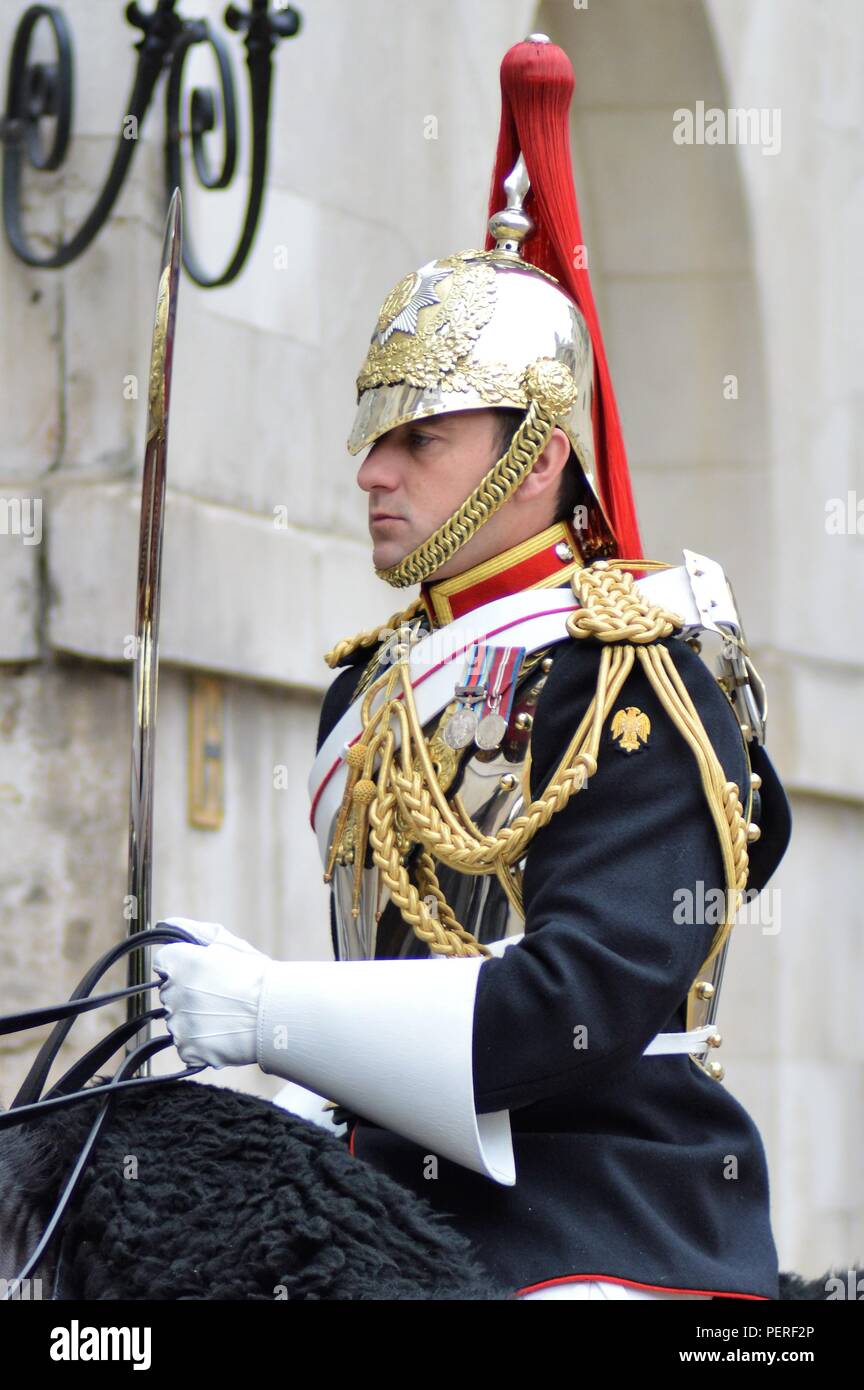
(632, 727)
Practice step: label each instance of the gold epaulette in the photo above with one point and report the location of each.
(367, 637)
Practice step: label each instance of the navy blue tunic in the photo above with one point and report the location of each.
(642, 1169)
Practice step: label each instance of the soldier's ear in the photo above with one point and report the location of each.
(546, 473)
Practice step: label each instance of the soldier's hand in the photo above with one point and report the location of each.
(211, 993)
(209, 933)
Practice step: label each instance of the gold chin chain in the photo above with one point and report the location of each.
(551, 390)
(406, 783)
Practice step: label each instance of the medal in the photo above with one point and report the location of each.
(462, 725)
(490, 675)
(503, 671)
(459, 729)
(490, 731)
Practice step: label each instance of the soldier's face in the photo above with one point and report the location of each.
(417, 474)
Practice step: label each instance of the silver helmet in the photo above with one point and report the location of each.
(475, 330)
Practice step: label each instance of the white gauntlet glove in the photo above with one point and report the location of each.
(389, 1039)
(211, 993)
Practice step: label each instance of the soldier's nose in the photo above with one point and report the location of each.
(377, 470)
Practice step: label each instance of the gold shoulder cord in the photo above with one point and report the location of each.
(368, 636)
(406, 784)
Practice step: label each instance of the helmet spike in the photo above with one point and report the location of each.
(512, 226)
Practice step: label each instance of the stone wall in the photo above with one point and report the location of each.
(709, 263)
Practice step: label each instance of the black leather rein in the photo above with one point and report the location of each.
(72, 1088)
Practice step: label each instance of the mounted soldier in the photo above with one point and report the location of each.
(520, 779)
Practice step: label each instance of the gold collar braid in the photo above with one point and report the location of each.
(613, 612)
(551, 391)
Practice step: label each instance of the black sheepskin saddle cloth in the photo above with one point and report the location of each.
(200, 1192)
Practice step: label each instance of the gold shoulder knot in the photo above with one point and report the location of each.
(613, 610)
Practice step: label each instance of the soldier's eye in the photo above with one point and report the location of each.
(417, 438)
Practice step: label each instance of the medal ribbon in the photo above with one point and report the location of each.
(501, 678)
(475, 674)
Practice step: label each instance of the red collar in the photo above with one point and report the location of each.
(540, 562)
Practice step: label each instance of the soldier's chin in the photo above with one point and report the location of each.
(387, 553)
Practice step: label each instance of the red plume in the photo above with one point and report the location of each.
(537, 83)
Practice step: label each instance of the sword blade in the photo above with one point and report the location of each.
(146, 669)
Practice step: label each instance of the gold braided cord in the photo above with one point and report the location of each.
(610, 614)
(723, 800)
(441, 937)
(443, 836)
(613, 612)
(551, 389)
(368, 636)
(467, 850)
(496, 488)
(510, 880)
(427, 882)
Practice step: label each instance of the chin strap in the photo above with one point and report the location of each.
(551, 391)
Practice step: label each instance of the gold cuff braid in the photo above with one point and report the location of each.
(612, 612)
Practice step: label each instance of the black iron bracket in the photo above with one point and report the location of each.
(37, 91)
